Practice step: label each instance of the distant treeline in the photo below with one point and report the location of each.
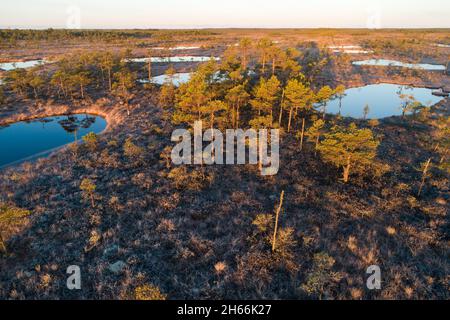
(11, 35)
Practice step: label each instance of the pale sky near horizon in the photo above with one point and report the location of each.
(224, 13)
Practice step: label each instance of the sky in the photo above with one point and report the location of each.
(86, 14)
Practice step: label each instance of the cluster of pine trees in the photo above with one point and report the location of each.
(262, 86)
(73, 76)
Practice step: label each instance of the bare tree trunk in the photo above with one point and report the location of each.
(281, 109)
(290, 119)
(302, 134)
(317, 144)
(63, 89)
(347, 170)
(264, 64)
(109, 80)
(274, 239)
(150, 69)
(424, 176)
(103, 77)
(281, 115)
(3, 245)
(92, 200)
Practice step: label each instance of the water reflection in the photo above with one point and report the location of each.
(383, 100)
(23, 141)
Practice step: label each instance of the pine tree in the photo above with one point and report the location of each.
(191, 98)
(88, 188)
(213, 108)
(9, 214)
(315, 132)
(366, 111)
(349, 148)
(245, 45)
(81, 80)
(296, 96)
(265, 96)
(108, 61)
(237, 97)
(124, 81)
(168, 90)
(289, 64)
(323, 96)
(407, 103)
(340, 94)
(264, 46)
(276, 55)
(59, 79)
(36, 81)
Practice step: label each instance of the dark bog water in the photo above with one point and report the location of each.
(23, 141)
(383, 100)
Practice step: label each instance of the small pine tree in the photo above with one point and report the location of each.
(323, 96)
(167, 95)
(366, 111)
(125, 80)
(296, 95)
(340, 94)
(373, 123)
(245, 45)
(425, 170)
(408, 101)
(349, 148)
(237, 97)
(265, 96)
(320, 275)
(148, 292)
(91, 141)
(88, 188)
(314, 133)
(9, 214)
(131, 150)
(192, 96)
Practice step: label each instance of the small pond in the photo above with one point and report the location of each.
(8, 66)
(175, 59)
(177, 48)
(349, 49)
(177, 79)
(383, 100)
(393, 63)
(29, 140)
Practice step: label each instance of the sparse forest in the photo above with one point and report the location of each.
(350, 193)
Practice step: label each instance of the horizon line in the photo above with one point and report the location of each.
(227, 28)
